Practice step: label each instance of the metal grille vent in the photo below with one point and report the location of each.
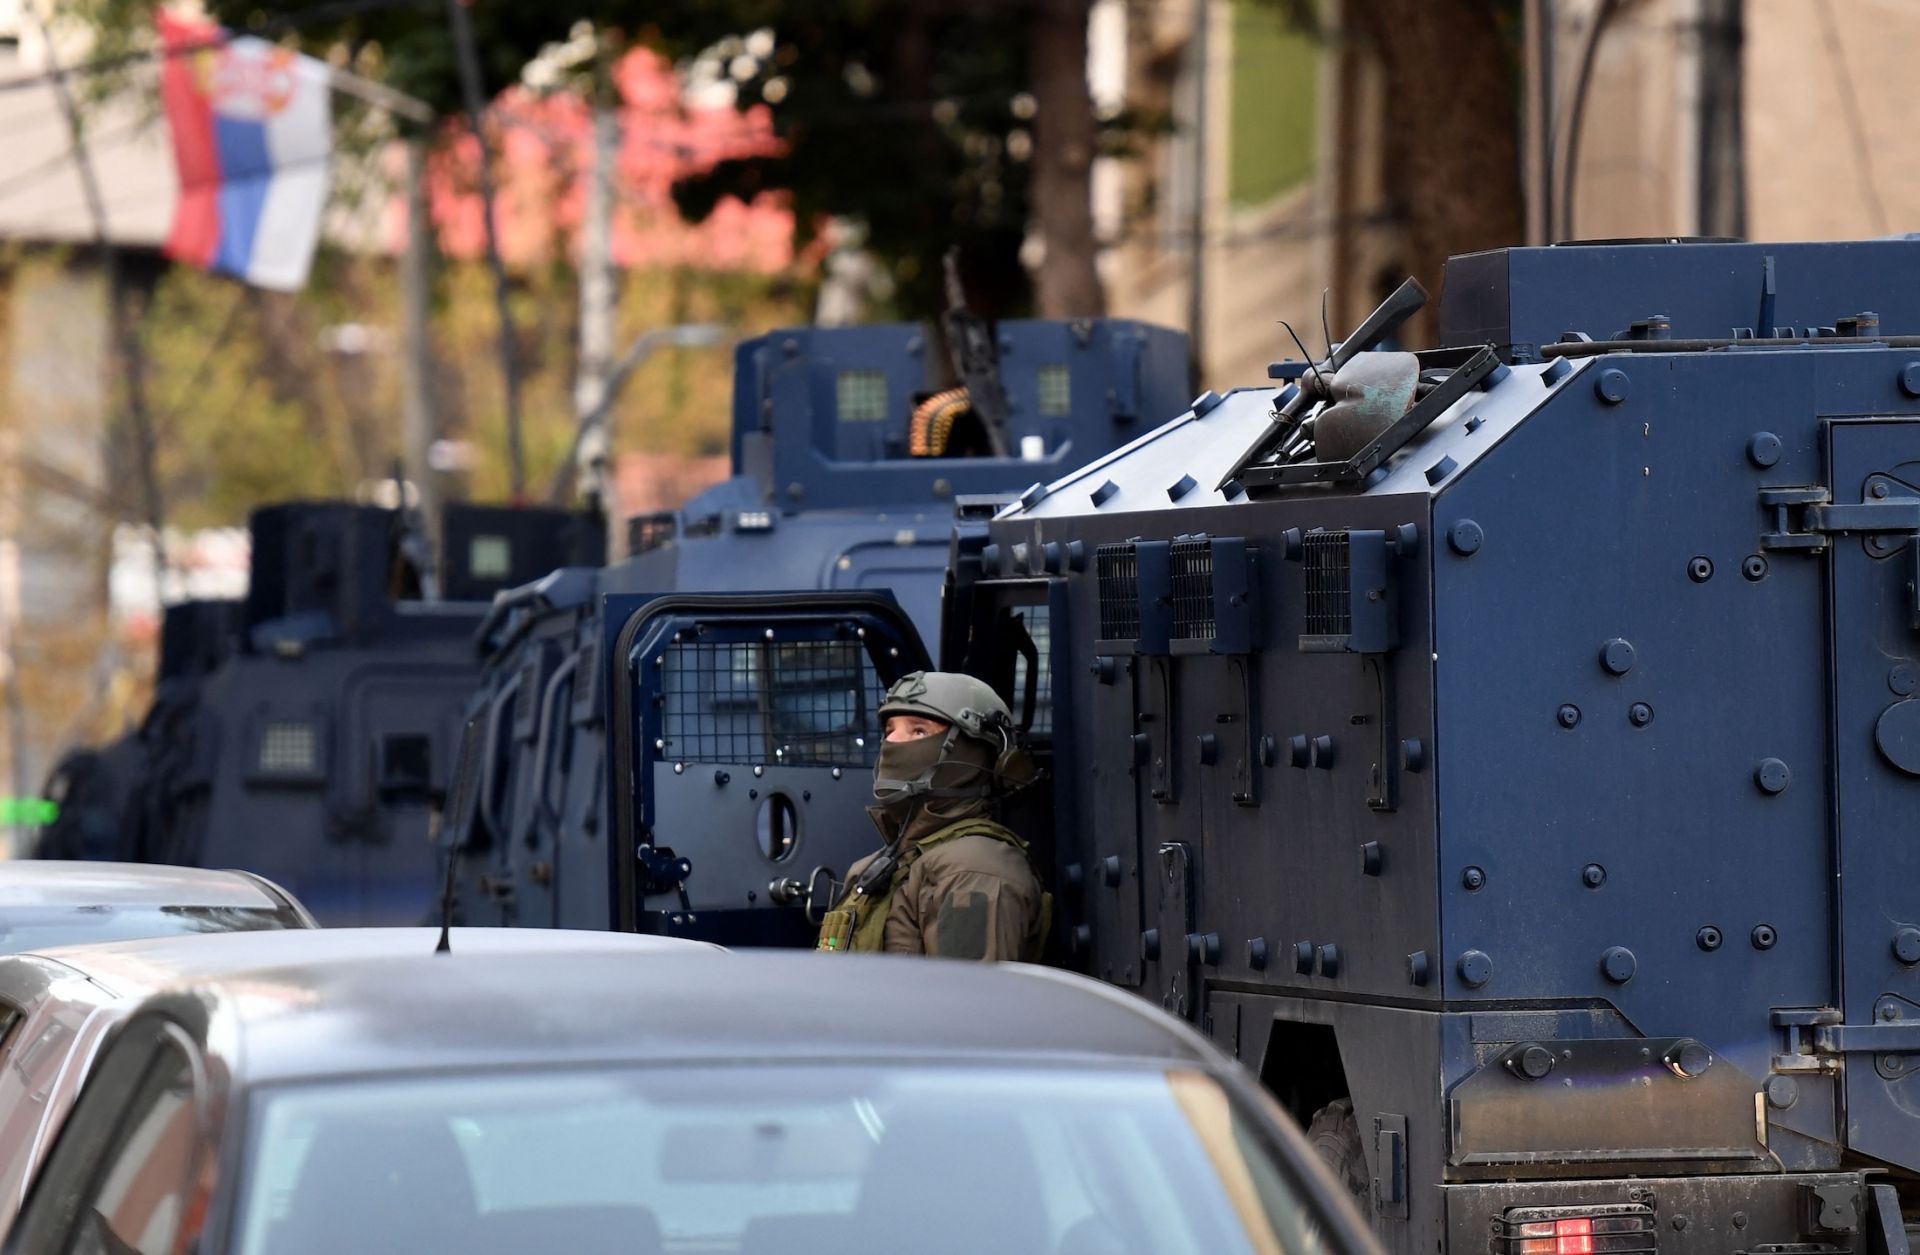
(1329, 577)
(800, 703)
(1192, 562)
(1117, 571)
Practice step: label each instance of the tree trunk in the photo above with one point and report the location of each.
(1453, 129)
(1067, 284)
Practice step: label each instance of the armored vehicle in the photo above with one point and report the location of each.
(305, 733)
(661, 741)
(1512, 751)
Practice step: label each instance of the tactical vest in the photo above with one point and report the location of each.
(859, 922)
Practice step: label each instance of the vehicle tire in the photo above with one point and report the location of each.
(1335, 1136)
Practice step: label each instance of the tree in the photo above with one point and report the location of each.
(1452, 123)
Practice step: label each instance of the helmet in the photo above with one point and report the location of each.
(968, 704)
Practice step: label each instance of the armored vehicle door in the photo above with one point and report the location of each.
(744, 731)
(1870, 518)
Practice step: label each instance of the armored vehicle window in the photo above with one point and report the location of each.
(770, 1160)
(1056, 391)
(406, 765)
(798, 702)
(289, 749)
(861, 396)
(490, 557)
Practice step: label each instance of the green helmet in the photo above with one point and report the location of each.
(968, 704)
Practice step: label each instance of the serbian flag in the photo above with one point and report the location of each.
(253, 141)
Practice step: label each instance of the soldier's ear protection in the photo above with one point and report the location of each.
(1013, 767)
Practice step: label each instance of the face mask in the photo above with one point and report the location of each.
(905, 769)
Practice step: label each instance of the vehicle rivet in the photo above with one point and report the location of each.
(1613, 386)
(1763, 450)
(1910, 379)
(1679, 1223)
(1877, 489)
(1739, 1219)
(1708, 938)
(1474, 879)
(1617, 655)
(1569, 715)
(1618, 965)
(679, 768)
(1772, 775)
(1640, 714)
(1700, 569)
(1475, 968)
(1466, 537)
(1906, 946)
(1903, 679)
(759, 771)
(1754, 567)
(1764, 936)
(1593, 875)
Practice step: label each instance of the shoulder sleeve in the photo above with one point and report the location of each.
(979, 901)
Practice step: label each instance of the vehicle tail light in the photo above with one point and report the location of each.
(1598, 1229)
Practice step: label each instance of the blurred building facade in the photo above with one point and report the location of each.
(1281, 145)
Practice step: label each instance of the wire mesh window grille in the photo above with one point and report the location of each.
(861, 395)
(289, 748)
(1116, 569)
(800, 703)
(1056, 391)
(1329, 578)
(1192, 563)
(1039, 625)
(490, 557)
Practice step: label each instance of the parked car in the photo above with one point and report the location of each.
(54, 902)
(57, 1006)
(607, 1101)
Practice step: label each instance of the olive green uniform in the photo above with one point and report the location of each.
(966, 896)
(956, 884)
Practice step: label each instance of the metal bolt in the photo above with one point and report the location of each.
(1763, 450)
(1474, 879)
(835, 773)
(1593, 875)
(1569, 715)
(1708, 938)
(1640, 714)
(1612, 387)
(1754, 567)
(1764, 937)
(1465, 537)
(679, 768)
(1700, 569)
(1772, 775)
(1878, 488)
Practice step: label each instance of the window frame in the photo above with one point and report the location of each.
(94, 1135)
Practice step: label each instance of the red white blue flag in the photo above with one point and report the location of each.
(253, 141)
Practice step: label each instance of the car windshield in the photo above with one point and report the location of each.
(781, 1160)
(38, 927)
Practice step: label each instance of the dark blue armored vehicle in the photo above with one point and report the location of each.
(672, 743)
(305, 733)
(1512, 751)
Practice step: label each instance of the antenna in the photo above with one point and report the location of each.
(1325, 330)
(1317, 377)
(452, 818)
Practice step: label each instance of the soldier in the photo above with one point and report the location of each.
(950, 881)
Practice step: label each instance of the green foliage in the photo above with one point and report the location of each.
(1274, 105)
